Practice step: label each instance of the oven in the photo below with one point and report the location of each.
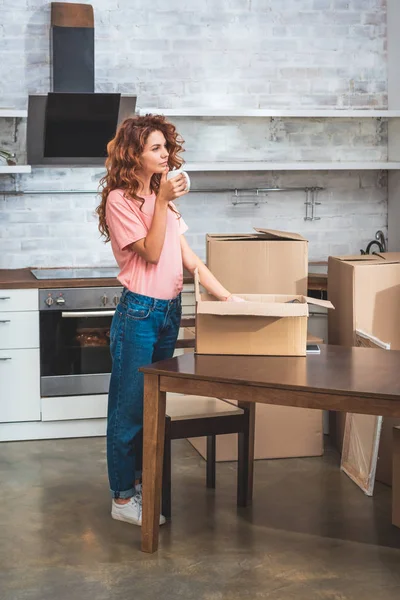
(75, 340)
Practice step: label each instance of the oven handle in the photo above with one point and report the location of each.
(88, 313)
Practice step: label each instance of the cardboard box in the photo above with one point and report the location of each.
(264, 325)
(396, 478)
(280, 432)
(189, 333)
(365, 290)
(267, 262)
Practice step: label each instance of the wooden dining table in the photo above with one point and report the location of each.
(358, 380)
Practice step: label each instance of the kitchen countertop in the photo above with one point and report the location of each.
(23, 279)
(12, 279)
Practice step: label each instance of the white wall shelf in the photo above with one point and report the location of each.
(13, 113)
(240, 112)
(292, 166)
(17, 169)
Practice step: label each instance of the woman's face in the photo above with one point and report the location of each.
(155, 154)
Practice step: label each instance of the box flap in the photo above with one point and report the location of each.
(274, 234)
(223, 237)
(390, 257)
(358, 258)
(273, 305)
(317, 302)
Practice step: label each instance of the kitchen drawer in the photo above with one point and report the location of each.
(19, 385)
(16, 300)
(65, 408)
(19, 330)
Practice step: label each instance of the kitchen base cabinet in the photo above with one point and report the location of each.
(19, 385)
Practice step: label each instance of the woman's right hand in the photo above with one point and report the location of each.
(170, 189)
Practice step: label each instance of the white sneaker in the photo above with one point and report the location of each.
(131, 512)
(138, 488)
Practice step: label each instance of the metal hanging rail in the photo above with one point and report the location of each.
(252, 196)
(196, 191)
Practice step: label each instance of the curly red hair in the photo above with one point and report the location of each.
(123, 159)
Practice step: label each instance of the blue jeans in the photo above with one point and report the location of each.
(144, 330)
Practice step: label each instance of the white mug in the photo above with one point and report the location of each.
(176, 172)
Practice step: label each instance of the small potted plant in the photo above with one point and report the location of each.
(7, 158)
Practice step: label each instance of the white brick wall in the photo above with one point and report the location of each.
(253, 53)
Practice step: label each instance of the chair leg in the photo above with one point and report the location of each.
(246, 456)
(211, 443)
(167, 479)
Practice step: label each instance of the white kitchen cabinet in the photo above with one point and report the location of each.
(18, 300)
(19, 356)
(19, 330)
(19, 385)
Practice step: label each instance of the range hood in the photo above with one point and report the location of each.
(72, 124)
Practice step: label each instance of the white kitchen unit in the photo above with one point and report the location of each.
(19, 356)
(24, 414)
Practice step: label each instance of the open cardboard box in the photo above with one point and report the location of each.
(280, 431)
(266, 324)
(265, 262)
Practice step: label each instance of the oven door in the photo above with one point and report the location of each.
(75, 352)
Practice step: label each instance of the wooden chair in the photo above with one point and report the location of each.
(197, 416)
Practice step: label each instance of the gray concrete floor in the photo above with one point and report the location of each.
(311, 533)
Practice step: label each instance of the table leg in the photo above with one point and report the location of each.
(153, 450)
(246, 456)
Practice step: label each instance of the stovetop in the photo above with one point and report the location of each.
(76, 273)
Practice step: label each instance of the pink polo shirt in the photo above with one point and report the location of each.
(128, 223)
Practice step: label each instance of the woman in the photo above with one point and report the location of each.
(146, 231)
